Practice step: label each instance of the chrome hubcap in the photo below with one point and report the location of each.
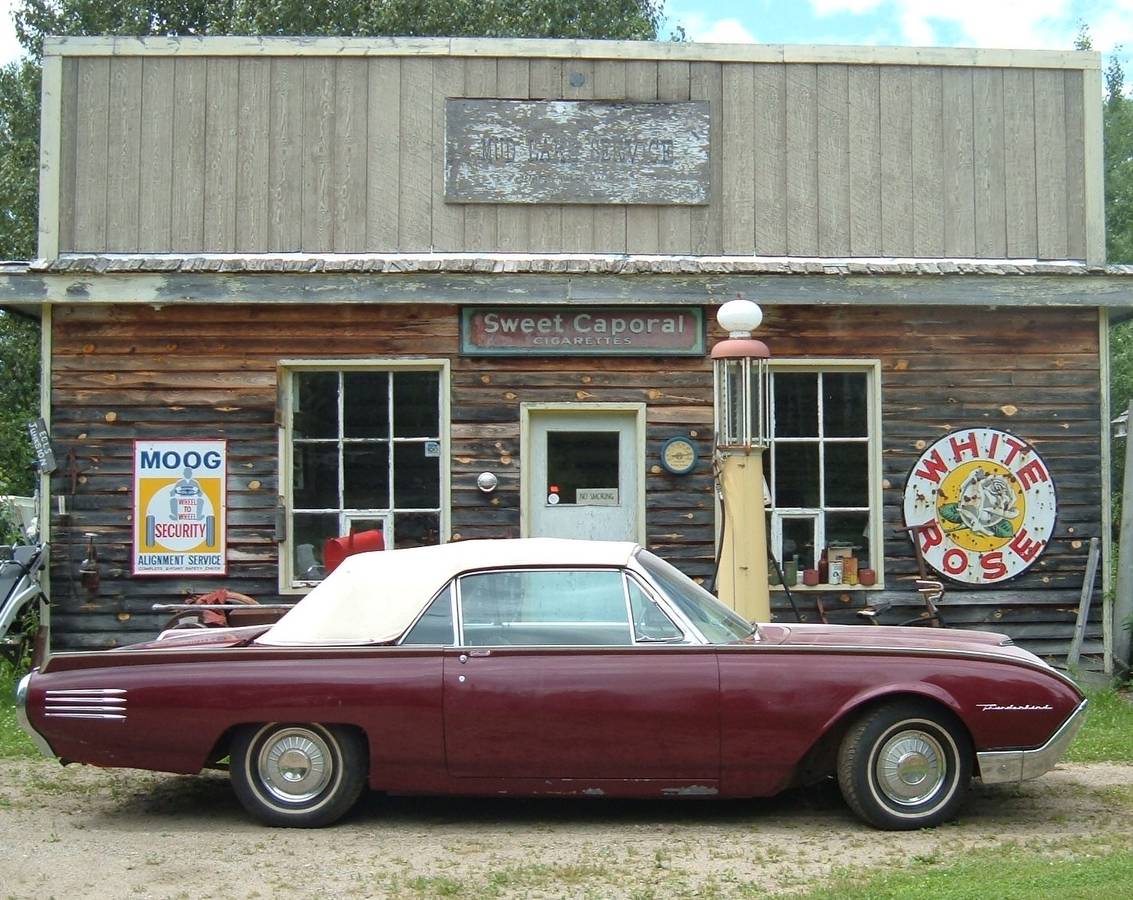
(911, 767)
(295, 765)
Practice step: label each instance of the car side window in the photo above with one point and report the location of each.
(650, 622)
(584, 607)
(435, 626)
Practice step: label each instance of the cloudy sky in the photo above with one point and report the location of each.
(1048, 24)
(1039, 24)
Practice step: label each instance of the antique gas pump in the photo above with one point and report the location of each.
(742, 427)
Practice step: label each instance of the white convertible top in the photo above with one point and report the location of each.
(373, 597)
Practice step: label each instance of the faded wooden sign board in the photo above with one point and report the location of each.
(572, 151)
(589, 331)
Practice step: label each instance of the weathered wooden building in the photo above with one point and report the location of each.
(365, 273)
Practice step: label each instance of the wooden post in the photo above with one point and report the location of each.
(1123, 600)
(1084, 604)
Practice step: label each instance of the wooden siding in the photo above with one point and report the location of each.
(121, 373)
(322, 154)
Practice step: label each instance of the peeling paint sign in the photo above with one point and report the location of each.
(179, 507)
(984, 504)
(571, 151)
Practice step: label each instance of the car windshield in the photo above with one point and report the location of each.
(712, 618)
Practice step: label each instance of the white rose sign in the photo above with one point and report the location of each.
(983, 503)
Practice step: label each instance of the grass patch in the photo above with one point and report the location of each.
(1083, 871)
(13, 742)
(437, 886)
(1105, 736)
(547, 875)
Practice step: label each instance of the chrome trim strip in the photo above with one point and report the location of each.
(22, 718)
(1010, 766)
(60, 708)
(120, 717)
(85, 692)
(86, 700)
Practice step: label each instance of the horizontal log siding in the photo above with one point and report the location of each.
(210, 372)
(320, 154)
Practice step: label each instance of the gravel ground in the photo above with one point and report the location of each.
(82, 832)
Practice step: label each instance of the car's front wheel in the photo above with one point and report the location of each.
(298, 775)
(905, 765)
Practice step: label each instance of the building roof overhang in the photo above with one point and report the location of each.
(166, 279)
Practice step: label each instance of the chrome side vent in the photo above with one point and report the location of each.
(94, 703)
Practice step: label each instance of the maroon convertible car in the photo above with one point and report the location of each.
(567, 668)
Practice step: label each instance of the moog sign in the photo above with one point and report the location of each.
(179, 507)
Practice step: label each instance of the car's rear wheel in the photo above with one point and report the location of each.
(905, 765)
(298, 775)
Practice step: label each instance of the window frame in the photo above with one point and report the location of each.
(871, 368)
(286, 369)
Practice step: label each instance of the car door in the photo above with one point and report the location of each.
(550, 682)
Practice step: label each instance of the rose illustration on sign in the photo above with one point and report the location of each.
(983, 503)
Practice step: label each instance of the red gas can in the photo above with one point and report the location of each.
(335, 550)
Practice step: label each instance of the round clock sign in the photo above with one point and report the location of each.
(984, 505)
(678, 455)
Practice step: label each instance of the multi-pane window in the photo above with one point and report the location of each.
(820, 468)
(365, 454)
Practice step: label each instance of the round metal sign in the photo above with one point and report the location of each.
(983, 503)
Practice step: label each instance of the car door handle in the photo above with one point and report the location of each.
(476, 653)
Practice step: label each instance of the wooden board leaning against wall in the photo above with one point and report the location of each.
(208, 372)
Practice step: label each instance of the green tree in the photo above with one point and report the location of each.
(616, 19)
(1117, 119)
(19, 158)
(19, 400)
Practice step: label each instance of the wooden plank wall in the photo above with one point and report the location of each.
(318, 154)
(123, 373)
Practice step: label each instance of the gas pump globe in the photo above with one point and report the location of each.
(742, 430)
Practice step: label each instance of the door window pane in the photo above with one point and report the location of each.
(315, 405)
(416, 404)
(796, 475)
(365, 404)
(418, 481)
(798, 541)
(365, 476)
(847, 475)
(315, 476)
(844, 404)
(581, 460)
(310, 531)
(796, 404)
(417, 529)
(850, 530)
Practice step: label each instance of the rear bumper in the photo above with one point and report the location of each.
(22, 718)
(1002, 766)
